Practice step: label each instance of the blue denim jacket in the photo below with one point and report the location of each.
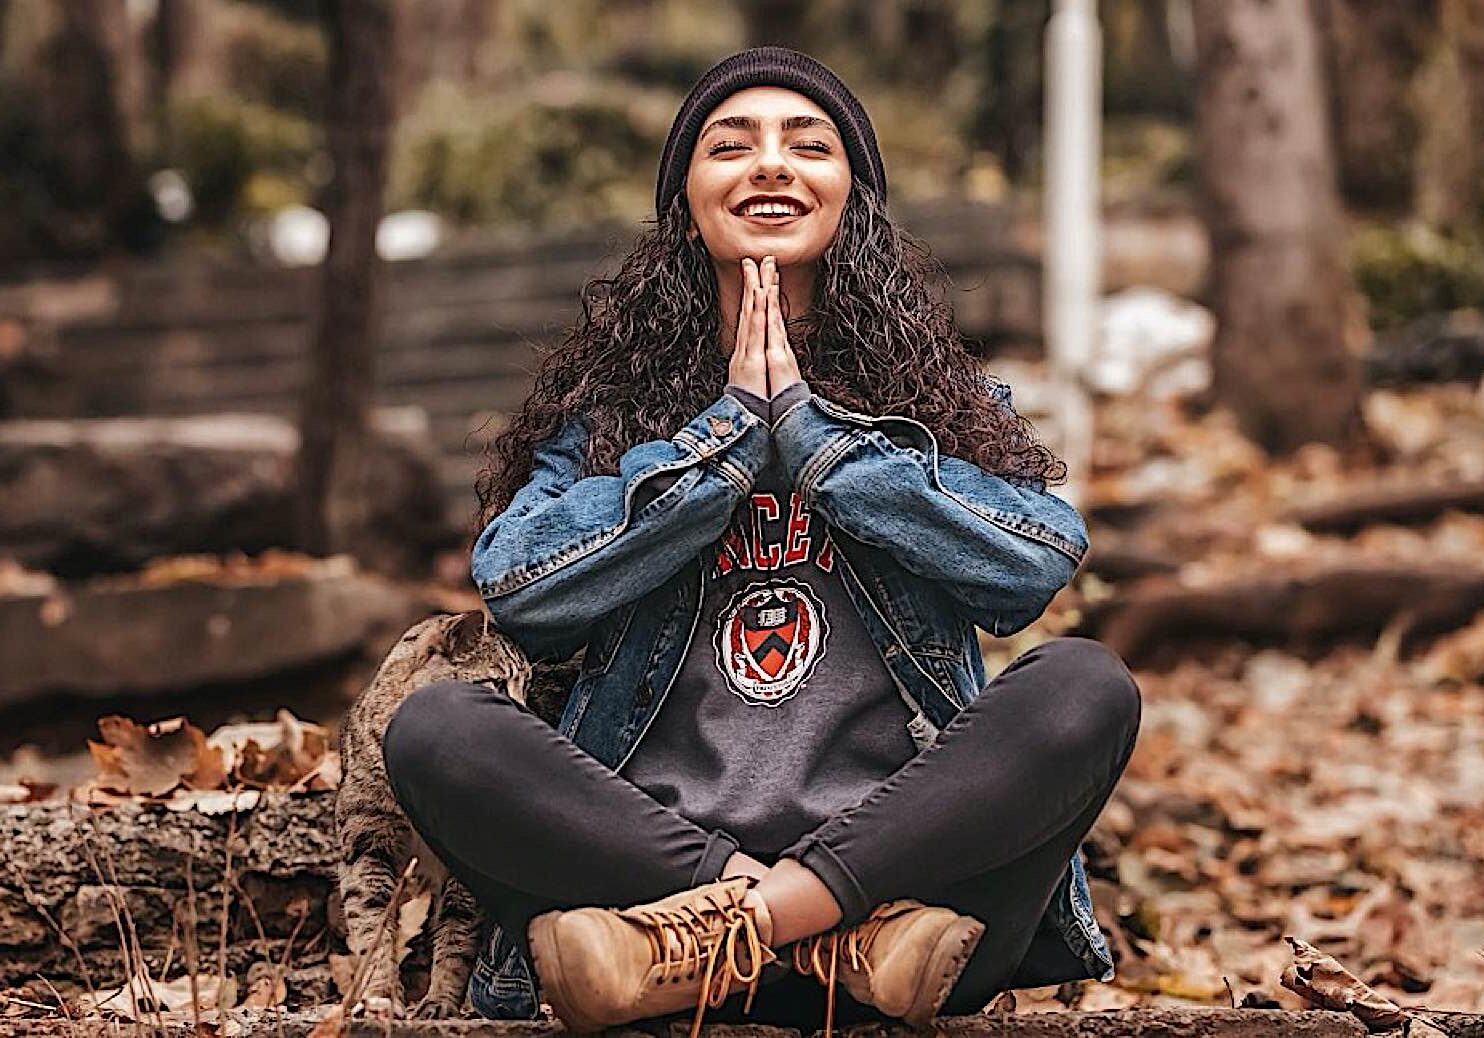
(931, 547)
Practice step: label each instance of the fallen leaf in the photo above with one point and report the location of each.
(153, 760)
(410, 918)
(1322, 980)
(294, 751)
(214, 801)
(265, 987)
(331, 1026)
(143, 996)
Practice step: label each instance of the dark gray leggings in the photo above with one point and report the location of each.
(984, 820)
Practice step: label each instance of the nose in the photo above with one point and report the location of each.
(772, 163)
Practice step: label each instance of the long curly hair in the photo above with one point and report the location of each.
(644, 358)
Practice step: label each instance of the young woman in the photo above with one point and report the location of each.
(766, 489)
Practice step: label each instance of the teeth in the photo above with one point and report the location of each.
(769, 209)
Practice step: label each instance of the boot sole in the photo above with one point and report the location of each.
(542, 935)
(948, 959)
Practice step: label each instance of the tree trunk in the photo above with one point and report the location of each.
(1374, 48)
(1279, 281)
(83, 122)
(1448, 96)
(336, 466)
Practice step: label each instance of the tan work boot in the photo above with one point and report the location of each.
(600, 967)
(903, 958)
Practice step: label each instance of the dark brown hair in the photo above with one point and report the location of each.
(644, 358)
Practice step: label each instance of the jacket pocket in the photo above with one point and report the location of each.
(501, 988)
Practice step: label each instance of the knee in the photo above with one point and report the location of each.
(1097, 700)
(421, 730)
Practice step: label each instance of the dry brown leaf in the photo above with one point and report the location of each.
(152, 760)
(265, 987)
(26, 792)
(410, 918)
(331, 1026)
(1322, 980)
(296, 754)
(142, 997)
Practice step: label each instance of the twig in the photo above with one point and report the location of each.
(221, 964)
(131, 975)
(114, 887)
(363, 968)
(31, 1005)
(34, 900)
(61, 1002)
(192, 956)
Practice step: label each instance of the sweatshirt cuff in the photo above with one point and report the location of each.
(782, 401)
(750, 400)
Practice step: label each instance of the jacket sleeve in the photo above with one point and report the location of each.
(1002, 549)
(568, 551)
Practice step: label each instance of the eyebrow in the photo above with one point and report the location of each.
(747, 122)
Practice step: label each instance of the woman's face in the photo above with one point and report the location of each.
(767, 141)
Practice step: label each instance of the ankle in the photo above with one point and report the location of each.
(761, 913)
(799, 903)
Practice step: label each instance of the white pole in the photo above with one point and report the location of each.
(1071, 280)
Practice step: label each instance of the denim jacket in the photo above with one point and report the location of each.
(931, 547)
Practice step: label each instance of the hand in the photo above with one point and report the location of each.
(749, 366)
(783, 366)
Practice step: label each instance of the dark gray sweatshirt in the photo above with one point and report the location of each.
(782, 712)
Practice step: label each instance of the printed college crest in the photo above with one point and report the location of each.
(769, 639)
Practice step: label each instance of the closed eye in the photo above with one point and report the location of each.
(818, 146)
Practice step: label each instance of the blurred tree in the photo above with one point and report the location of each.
(1448, 93)
(1279, 281)
(88, 165)
(336, 466)
(1374, 48)
(1008, 118)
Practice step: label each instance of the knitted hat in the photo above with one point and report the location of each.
(769, 66)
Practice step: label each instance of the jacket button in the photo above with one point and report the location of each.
(719, 426)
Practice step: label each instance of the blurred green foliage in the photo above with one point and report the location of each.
(1410, 271)
(534, 162)
(240, 155)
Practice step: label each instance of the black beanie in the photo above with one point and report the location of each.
(769, 66)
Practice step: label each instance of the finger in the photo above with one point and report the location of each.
(783, 364)
(744, 312)
(759, 327)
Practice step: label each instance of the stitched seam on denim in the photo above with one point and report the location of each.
(633, 608)
(897, 639)
(824, 460)
(1035, 532)
(1038, 532)
(735, 473)
(517, 579)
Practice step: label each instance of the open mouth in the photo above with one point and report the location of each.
(770, 212)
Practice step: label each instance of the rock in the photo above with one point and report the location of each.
(1130, 1023)
(80, 497)
(64, 860)
(111, 635)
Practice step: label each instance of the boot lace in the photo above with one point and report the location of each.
(687, 940)
(818, 956)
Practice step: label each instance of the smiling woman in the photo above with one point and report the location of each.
(766, 492)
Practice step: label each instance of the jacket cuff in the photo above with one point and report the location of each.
(813, 433)
(732, 435)
(754, 403)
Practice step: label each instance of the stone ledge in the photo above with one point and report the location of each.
(1124, 1023)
